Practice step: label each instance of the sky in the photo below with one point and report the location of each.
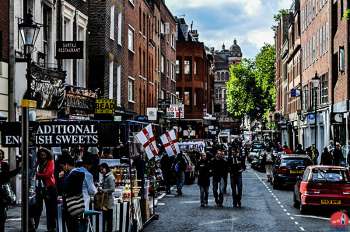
(221, 21)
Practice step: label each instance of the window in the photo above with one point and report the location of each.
(217, 94)
(130, 39)
(120, 18)
(187, 99)
(177, 67)
(162, 28)
(162, 64)
(131, 89)
(47, 21)
(111, 80)
(195, 68)
(324, 89)
(111, 31)
(341, 59)
(305, 98)
(172, 40)
(187, 67)
(119, 85)
(81, 62)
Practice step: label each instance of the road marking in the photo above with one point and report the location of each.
(296, 223)
(291, 218)
(161, 203)
(218, 221)
(301, 228)
(288, 214)
(284, 210)
(311, 216)
(161, 196)
(14, 219)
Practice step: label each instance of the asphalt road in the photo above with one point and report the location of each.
(263, 209)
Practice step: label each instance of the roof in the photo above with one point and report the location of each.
(326, 167)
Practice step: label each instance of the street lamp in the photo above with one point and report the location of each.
(29, 31)
(315, 84)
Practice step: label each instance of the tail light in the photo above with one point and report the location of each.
(346, 193)
(282, 170)
(307, 189)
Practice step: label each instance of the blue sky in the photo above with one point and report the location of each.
(220, 21)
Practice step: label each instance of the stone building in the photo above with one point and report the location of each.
(223, 59)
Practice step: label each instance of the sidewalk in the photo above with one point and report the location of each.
(13, 222)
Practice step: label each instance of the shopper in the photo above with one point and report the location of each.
(107, 188)
(180, 166)
(299, 150)
(166, 163)
(73, 200)
(268, 162)
(5, 176)
(326, 157)
(219, 171)
(314, 154)
(45, 189)
(236, 165)
(203, 169)
(338, 157)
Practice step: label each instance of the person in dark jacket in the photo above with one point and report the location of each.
(326, 157)
(338, 157)
(219, 171)
(180, 166)
(203, 168)
(72, 187)
(46, 190)
(166, 163)
(299, 150)
(5, 176)
(236, 165)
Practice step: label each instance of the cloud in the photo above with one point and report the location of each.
(260, 36)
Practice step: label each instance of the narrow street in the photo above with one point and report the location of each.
(263, 209)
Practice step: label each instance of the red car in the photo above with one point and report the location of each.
(322, 186)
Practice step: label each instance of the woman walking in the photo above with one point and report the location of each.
(107, 188)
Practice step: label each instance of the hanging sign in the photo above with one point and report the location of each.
(69, 49)
(170, 143)
(148, 141)
(55, 134)
(105, 106)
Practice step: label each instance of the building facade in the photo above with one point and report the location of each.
(4, 59)
(223, 59)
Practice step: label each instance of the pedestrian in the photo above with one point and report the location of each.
(166, 163)
(203, 169)
(107, 188)
(5, 176)
(314, 154)
(287, 150)
(338, 157)
(89, 189)
(299, 150)
(326, 157)
(268, 162)
(72, 195)
(236, 165)
(180, 166)
(219, 171)
(45, 189)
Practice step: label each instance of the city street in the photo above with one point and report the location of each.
(263, 209)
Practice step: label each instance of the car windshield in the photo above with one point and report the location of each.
(295, 162)
(329, 175)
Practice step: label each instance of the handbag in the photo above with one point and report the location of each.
(7, 195)
(75, 205)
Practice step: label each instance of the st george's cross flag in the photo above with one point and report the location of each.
(148, 141)
(170, 143)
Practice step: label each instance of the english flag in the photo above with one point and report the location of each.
(170, 143)
(148, 141)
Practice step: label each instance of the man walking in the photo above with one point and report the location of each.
(338, 157)
(236, 164)
(203, 169)
(219, 169)
(180, 166)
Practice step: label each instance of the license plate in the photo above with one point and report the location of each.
(330, 202)
(296, 171)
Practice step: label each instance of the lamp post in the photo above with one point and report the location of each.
(315, 83)
(29, 31)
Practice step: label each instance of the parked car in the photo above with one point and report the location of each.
(287, 168)
(322, 186)
(257, 163)
(255, 149)
(190, 173)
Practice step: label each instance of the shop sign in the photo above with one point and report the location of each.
(337, 118)
(176, 111)
(152, 114)
(69, 49)
(105, 106)
(67, 133)
(79, 101)
(47, 87)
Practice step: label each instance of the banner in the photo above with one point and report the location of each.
(70, 133)
(148, 141)
(170, 143)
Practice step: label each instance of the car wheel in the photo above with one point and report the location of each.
(295, 202)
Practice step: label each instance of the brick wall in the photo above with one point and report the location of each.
(4, 28)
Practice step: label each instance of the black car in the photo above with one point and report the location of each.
(287, 169)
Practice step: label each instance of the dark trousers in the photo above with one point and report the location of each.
(108, 220)
(218, 184)
(50, 199)
(236, 186)
(3, 216)
(204, 194)
(74, 224)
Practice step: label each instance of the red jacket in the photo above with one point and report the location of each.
(48, 174)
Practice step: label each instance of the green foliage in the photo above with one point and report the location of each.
(277, 17)
(251, 88)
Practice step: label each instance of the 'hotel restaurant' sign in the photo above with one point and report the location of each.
(53, 134)
(69, 50)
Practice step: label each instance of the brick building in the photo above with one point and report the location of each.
(4, 58)
(193, 79)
